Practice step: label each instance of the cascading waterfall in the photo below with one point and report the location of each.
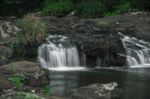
(138, 51)
(58, 52)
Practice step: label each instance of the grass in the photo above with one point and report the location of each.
(33, 33)
(17, 80)
(33, 29)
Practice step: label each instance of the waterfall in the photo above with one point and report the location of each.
(98, 62)
(138, 51)
(58, 52)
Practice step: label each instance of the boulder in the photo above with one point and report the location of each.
(5, 54)
(32, 73)
(97, 91)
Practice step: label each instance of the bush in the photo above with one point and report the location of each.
(33, 29)
(58, 8)
(119, 9)
(33, 33)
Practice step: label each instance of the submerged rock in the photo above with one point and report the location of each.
(97, 91)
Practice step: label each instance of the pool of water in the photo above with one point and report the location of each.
(135, 82)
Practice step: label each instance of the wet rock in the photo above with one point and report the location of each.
(97, 91)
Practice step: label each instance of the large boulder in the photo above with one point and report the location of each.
(33, 74)
(97, 91)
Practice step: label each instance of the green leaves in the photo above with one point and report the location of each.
(17, 80)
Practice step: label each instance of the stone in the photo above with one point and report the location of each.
(97, 91)
(33, 74)
(5, 54)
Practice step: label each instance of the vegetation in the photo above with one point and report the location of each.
(83, 8)
(33, 29)
(17, 80)
(47, 90)
(59, 8)
(33, 33)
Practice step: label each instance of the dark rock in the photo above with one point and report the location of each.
(5, 54)
(99, 37)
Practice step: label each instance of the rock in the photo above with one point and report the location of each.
(5, 54)
(4, 84)
(20, 95)
(8, 29)
(97, 91)
(34, 76)
(98, 38)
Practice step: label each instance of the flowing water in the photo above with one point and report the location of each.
(138, 51)
(58, 54)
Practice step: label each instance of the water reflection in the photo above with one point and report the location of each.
(62, 82)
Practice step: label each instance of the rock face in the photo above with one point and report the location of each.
(8, 33)
(97, 91)
(98, 39)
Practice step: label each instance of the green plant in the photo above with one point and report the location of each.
(121, 8)
(58, 8)
(47, 90)
(33, 28)
(17, 80)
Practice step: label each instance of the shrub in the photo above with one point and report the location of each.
(120, 8)
(94, 8)
(33, 29)
(47, 90)
(33, 33)
(58, 8)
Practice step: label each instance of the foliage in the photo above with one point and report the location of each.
(95, 8)
(17, 80)
(33, 29)
(33, 33)
(47, 90)
(84, 8)
(59, 8)
(121, 8)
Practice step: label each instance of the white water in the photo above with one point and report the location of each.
(138, 51)
(58, 54)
